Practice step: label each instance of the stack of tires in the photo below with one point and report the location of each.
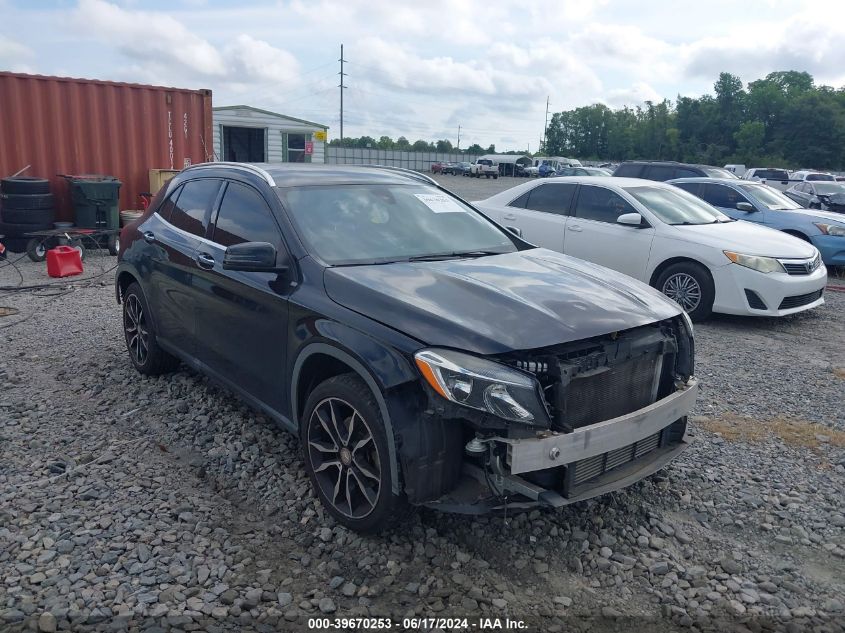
(26, 205)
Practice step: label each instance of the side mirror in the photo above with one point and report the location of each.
(745, 206)
(253, 257)
(514, 230)
(631, 219)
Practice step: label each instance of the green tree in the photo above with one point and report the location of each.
(750, 139)
(385, 142)
(444, 145)
(402, 144)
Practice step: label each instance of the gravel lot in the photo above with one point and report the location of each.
(131, 503)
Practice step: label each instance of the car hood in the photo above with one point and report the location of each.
(825, 216)
(747, 238)
(499, 303)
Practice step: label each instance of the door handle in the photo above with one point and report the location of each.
(205, 261)
(575, 228)
(149, 237)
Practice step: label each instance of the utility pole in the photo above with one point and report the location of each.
(545, 125)
(459, 139)
(341, 86)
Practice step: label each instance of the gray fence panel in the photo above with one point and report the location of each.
(419, 161)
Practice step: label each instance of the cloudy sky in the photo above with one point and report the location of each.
(422, 68)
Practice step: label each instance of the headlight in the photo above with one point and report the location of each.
(831, 229)
(484, 385)
(761, 264)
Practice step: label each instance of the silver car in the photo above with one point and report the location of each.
(825, 195)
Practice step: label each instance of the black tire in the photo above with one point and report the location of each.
(78, 245)
(680, 281)
(28, 216)
(365, 466)
(27, 201)
(24, 185)
(155, 361)
(114, 244)
(495, 177)
(37, 248)
(10, 229)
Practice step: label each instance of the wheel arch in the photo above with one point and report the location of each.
(320, 361)
(658, 270)
(796, 233)
(124, 279)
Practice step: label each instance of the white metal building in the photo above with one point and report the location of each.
(246, 134)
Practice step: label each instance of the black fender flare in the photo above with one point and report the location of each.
(347, 358)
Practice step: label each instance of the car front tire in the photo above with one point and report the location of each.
(144, 352)
(346, 456)
(690, 286)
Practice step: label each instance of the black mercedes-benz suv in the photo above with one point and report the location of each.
(423, 354)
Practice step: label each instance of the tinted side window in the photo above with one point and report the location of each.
(661, 172)
(600, 204)
(685, 172)
(191, 209)
(520, 202)
(628, 171)
(692, 187)
(551, 198)
(244, 217)
(722, 196)
(166, 209)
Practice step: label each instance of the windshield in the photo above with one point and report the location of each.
(768, 197)
(718, 172)
(818, 177)
(829, 188)
(676, 206)
(368, 224)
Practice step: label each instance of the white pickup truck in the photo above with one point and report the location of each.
(484, 167)
(772, 176)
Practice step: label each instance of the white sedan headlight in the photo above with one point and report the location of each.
(483, 384)
(831, 229)
(754, 262)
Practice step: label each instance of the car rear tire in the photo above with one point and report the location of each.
(144, 352)
(690, 285)
(344, 446)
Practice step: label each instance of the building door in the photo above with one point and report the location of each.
(294, 147)
(244, 144)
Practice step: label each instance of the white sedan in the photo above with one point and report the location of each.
(668, 238)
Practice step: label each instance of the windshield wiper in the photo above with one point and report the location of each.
(454, 255)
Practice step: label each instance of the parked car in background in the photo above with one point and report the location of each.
(335, 300)
(772, 176)
(484, 167)
(812, 176)
(668, 238)
(736, 170)
(819, 195)
(436, 168)
(759, 203)
(667, 170)
(583, 171)
(463, 168)
(449, 168)
(840, 178)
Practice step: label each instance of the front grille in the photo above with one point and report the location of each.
(618, 390)
(593, 467)
(801, 268)
(754, 300)
(800, 300)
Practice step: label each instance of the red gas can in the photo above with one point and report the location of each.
(63, 261)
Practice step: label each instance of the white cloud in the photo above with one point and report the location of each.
(633, 95)
(15, 56)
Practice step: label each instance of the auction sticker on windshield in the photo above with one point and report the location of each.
(439, 203)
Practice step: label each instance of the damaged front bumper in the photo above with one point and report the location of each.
(557, 469)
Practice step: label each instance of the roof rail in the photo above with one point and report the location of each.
(410, 173)
(255, 169)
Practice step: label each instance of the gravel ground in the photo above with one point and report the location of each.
(132, 503)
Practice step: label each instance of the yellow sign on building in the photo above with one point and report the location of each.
(320, 135)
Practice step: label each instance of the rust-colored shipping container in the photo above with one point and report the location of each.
(59, 125)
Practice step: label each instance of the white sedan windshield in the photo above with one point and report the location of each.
(676, 206)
